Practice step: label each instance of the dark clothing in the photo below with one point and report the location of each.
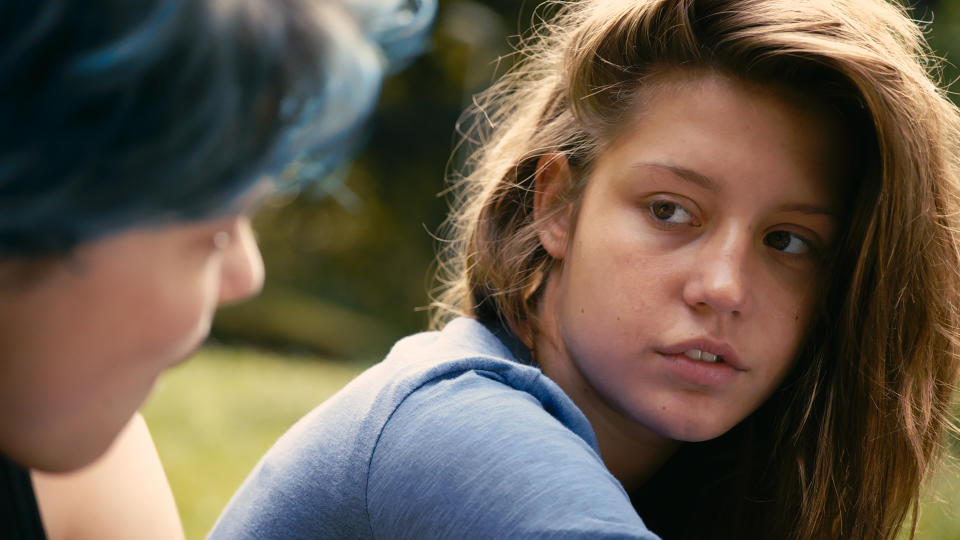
(19, 514)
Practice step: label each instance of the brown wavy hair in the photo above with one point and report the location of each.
(842, 449)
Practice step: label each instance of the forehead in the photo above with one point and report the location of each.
(702, 119)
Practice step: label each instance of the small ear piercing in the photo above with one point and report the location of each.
(221, 239)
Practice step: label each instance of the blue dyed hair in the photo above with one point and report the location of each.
(120, 113)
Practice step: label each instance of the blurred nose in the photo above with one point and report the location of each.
(241, 271)
(718, 279)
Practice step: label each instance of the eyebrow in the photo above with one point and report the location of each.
(683, 173)
(710, 184)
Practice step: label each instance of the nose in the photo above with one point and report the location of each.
(241, 270)
(718, 279)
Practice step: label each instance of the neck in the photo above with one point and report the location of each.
(631, 452)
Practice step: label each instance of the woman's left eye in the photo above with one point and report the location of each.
(670, 212)
(787, 242)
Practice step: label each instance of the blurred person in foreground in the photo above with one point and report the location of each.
(136, 139)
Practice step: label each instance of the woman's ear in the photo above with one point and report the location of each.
(550, 182)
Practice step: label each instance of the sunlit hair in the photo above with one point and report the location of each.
(842, 449)
(116, 113)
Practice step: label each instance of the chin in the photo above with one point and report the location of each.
(690, 430)
(90, 438)
(63, 453)
(176, 360)
(188, 344)
(80, 456)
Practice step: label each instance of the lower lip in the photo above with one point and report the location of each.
(701, 373)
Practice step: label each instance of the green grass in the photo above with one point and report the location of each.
(940, 507)
(213, 417)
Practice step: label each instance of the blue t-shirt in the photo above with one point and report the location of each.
(449, 437)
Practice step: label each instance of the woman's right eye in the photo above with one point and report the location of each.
(670, 212)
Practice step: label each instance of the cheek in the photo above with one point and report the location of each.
(183, 315)
(780, 328)
(622, 280)
(156, 317)
(610, 303)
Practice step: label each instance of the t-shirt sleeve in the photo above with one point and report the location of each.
(472, 457)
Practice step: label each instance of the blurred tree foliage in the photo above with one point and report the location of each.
(347, 274)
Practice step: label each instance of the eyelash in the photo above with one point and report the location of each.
(660, 204)
(810, 248)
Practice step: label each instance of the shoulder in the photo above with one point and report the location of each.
(475, 454)
(435, 411)
(313, 480)
(124, 494)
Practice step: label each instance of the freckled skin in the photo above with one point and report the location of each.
(731, 259)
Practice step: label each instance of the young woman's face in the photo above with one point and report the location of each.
(83, 345)
(685, 286)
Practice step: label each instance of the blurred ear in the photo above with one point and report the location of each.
(551, 181)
